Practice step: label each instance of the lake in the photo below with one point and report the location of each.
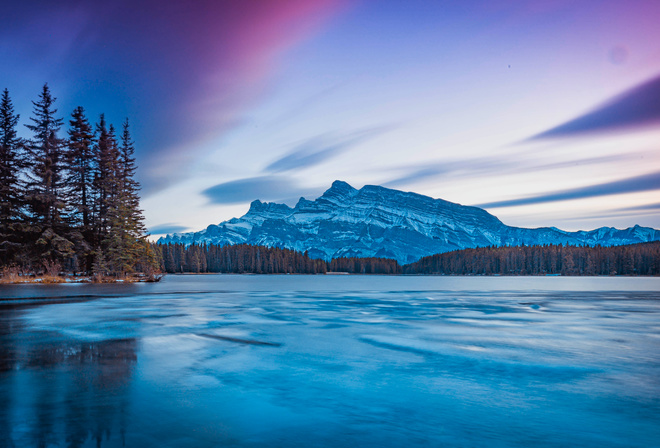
(299, 361)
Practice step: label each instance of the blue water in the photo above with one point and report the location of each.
(284, 361)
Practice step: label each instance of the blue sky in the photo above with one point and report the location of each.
(544, 112)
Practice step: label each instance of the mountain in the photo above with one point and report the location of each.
(380, 222)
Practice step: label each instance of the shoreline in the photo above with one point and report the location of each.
(59, 280)
(72, 279)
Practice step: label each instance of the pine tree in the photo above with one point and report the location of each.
(82, 167)
(104, 183)
(114, 239)
(45, 183)
(10, 185)
(61, 198)
(130, 187)
(123, 238)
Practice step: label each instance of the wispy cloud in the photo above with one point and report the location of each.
(416, 173)
(642, 208)
(636, 107)
(498, 165)
(647, 182)
(167, 228)
(265, 188)
(628, 217)
(321, 148)
(303, 106)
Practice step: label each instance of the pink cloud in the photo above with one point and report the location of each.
(184, 71)
(220, 58)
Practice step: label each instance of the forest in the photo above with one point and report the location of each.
(69, 201)
(635, 259)
(245, 258)
(237, 259)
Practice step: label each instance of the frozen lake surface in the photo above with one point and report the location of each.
(283, 361)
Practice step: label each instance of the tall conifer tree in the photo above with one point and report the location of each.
(65, 199)
(105, 188)
(10, 185)
(105, 179)
(125, 242)
(134, 220)
(116, 239)
(82, 167)
(45, 185)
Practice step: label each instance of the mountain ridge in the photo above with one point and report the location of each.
(376, 221)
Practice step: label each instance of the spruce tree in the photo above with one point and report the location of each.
(82, 167)
(116, 241)
(125, 242)
(130, 187)
(132, 231)
(65, 199)
(11, 195)
(105, 180)
(120, 224)
(106, 188)
(45, 183)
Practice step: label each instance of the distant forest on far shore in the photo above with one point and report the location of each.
(634, 259)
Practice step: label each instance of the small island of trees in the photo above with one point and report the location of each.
(69, 203)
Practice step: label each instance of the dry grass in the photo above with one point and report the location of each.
(11, 278)
(13, 275)
(49, 279)
(10, 275)
(98, 278)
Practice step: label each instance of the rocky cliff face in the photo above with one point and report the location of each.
(379, 222)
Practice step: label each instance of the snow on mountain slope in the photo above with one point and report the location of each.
(380, 222)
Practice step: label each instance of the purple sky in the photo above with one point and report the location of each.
(544, 112)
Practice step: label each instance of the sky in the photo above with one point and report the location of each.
(545, 113)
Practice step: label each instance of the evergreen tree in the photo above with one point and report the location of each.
(82, 167)
(105, 180)
(10, 185)
(130, 187)
(113, 234)
(61, 198)
(45, 183)
(123, 232)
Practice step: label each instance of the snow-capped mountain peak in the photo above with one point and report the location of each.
(375, 221)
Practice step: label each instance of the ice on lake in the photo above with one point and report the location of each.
(247, 361)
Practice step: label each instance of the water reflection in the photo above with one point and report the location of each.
(59, 392)
(248, 361)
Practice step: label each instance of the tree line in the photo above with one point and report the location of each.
(246, 258)
(238, 259)
(635, 259)
(369, 265)
(70, 200)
